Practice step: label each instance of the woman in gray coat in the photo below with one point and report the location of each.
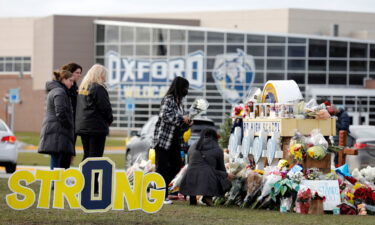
(206, 163)
(57, 135)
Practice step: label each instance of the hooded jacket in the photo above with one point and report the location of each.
(94, 111)
(201, 175)
(57, 135)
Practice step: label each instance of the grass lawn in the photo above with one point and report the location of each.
(36, 159)
(179, 213)
(32, 138)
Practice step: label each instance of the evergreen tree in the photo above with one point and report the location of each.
(225, 133)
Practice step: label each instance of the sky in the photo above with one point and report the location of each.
(31, 8)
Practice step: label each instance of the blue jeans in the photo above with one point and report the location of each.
(54, 161)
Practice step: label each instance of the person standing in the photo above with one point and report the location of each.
(206, 163)
(76, 71)
(169, 129)
(57, 134)
(94, 112)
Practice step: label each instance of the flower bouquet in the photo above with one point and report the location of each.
(174, 186)
(266, 189)
(297, 146)
(284, 189)
(314, 174)
(253, 185)
(303, 202)
(317, 200)
(239, 111)
(199, 106)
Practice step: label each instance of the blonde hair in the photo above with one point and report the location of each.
(96, 74)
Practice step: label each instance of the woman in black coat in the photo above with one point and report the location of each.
(206, 163)
(94, 112)
(57, 135)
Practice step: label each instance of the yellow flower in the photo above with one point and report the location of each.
(356, 186)
(259, 171)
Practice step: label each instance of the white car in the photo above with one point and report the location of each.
(365, 143)
(8, 148)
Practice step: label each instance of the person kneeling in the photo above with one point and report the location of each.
(206, 167)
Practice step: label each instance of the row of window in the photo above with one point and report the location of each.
(116, 34)
(299, 65)
(316, 51)
(15, 64)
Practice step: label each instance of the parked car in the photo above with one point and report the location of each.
(8, 148)
(364, 139)
(138, 145)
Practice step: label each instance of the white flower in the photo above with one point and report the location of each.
(199, 105)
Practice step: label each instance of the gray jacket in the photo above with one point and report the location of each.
(201, 175)
(57, 135)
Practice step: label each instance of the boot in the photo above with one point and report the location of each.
(193, 200)
(207, 200)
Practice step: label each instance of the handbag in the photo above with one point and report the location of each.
(224, 185)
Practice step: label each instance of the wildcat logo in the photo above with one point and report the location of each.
(234, 74)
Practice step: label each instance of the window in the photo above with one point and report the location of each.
(255, 39)
(142, 50)
(317, 65)
(296, 51)
(15, 64)
(100, 50)
(255, 50)
(275, 39)
(127, 50)
(296, 40)
(296, 64)
(112, 34)
(338, 49)
(142, 34)
(276, 51)
(259, 78)
(275, 64)
(259, 64)
(100, 33)
(372, 51)
(233, 48)
(275, 76)
(358, 66)
(213, 37)
(177, 50)
(159, 35)
(358, 50)
(337, 65)
(193, 48)
(213, 50)
(177, 36)
(235, 38)
(159, 50)
(318, 78)
(337, 79)
(356, 79)
(127, 34)
(299, 78)
(317, 48)
(196, 36)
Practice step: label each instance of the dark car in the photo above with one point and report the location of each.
(138, 146)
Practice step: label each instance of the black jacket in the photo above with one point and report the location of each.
(201, 175)
(94, 111)
(57, 135)
(73, 93)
